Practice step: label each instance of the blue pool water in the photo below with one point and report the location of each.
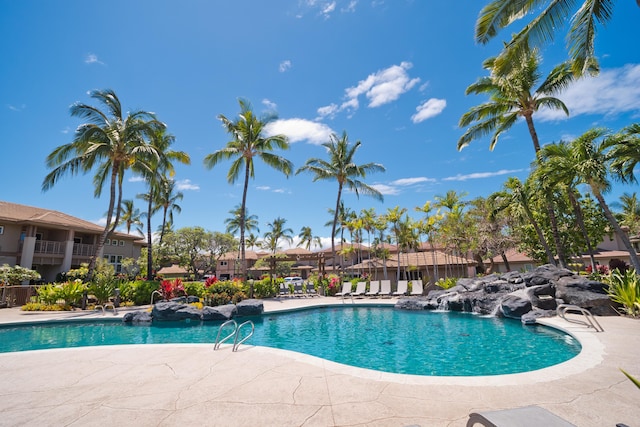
(384, 339)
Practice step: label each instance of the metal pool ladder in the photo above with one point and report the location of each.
(235, 333)
(590, 322)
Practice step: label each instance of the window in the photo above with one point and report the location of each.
(121, 242)
(107, 242)
(223, 263)
(114, 242)
(1, 229)
(116, 261)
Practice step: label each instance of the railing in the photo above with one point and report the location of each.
(16, 295)
(49, 247)
(590, 322)
(82, 249)
(235, 333)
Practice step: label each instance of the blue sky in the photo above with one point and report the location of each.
(392, 74)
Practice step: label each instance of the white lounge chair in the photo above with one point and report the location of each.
(374, 288)
(402, 288)
(311, 290)
(361, 288)
(346, 290)
(385, 288)
(528, 416)
(284, 290)
(416, 287)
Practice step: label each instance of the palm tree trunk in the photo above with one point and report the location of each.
(333, 228)
(580, 219)
(107, 227)
(243, 210)
(164, 222)
(633, 256)
(505, 260)
(541, 237)
(149, 248)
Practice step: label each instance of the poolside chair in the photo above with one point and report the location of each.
(311, 290)
(361, 288)
(297, 290)
(284, 290)
(346, 290)
(374, 288)
(385, 288)
(402, 288)
(528, 416)
(416, 287)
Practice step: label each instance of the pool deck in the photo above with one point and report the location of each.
(166, 385)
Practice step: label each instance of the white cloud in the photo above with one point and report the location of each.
(613, 91)
(279, 190)
(351, 7)
(481, 175)
(263, 188)
(380, 88)
(269, 104)
(328, 8)
(428, 109)
(92, 58)
(16, 108)
(136, 179)
(185, 184)
(300, 130)
(284, 66)
(412, 181)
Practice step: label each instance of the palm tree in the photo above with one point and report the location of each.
(252, 241)
(515, 197)
(248, 142)
(130, 216)
(368, 218)
(512, 95)
(394, 218)
(630, 215)
(276, 233)
(590, 162)
(167, 198)
(109, 142)
(342, 168)
(307, 238)
(234, 222)
(427, 226)
(541, 29)
(555, 167)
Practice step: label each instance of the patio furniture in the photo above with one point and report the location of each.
(528, 416)
(416, 287)
(385, 288)
(361, 288)
(311, 290)
(402, 288)
(374, 288)
(346, 290)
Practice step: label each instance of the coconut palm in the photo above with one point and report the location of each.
(513, 95)
(630, 211)
(342, 168)
(590, 165)
(307, 238)
(427, 226)
(111, 144)
(167, 198)
(276, 233)
(248, 143)
(394, 218)
(584, 17)
(555, 166)
(130, 216)
(234, 222)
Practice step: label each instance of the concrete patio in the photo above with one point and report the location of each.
(165, 385)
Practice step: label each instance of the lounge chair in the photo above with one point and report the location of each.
(385, 288)
(416, 287)
(297, 290)
(361, 288)
(284, 290)
(402, 288)
(528, 416)
(346, 290)
(311, 290)
(374, 288)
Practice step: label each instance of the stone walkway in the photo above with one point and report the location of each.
(166, 385)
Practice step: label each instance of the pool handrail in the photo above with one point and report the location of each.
(591, 321)
(234, 332)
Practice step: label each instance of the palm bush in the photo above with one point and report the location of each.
(624, 289)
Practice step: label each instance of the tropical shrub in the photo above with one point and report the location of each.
(171, 289)
(103, 287)
(447, 283)
(196, 289)
(139, 291)
(38, 306)
(16, 274)
(265, 288)
(624, 288)
(333, 284)
(71, 292)
(48, 294)
(224, 292)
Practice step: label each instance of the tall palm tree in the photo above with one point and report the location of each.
(341, 167)
(590, 164)
(276, 233)
(130, 216)
(156, 171)
(234, 222)
(307, 238)
(515, 197)
(512, 95)
(630, 211)
(584, 17)
(248, 143)
(555, 166)
(167, 199)
(109, 142)
(252, 241)
(394, 218)
(368, 218)
(427, 227)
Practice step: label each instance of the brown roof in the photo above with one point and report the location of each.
(249, 255)
(23, 214)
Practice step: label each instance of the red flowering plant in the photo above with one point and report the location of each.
(210, 281)
(171, 289)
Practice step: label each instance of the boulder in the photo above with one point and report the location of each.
(250, 307)
(175, 311)
(585, 293)
(412, 303)
(544, 274)
(531, 317)
(137, 318)
(515, 305)
(221, 312)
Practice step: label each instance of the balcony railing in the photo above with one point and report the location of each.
(81, 249)
(49, 247)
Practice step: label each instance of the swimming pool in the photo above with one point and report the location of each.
(384, 339)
